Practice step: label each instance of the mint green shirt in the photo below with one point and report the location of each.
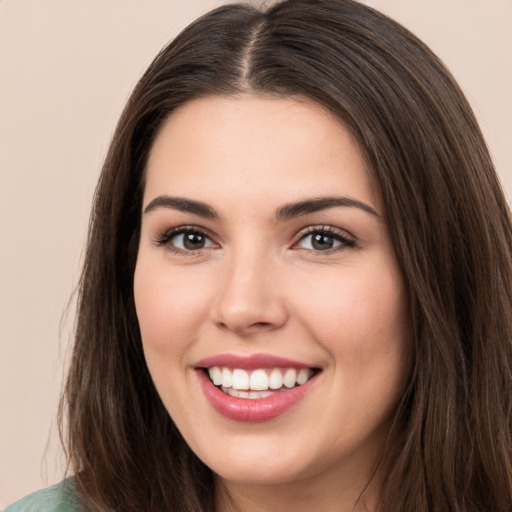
(58, 498)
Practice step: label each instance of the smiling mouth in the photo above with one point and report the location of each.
(257, 383)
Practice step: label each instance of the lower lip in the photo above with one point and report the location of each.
(254, 410)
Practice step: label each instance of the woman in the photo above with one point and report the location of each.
(297, 288)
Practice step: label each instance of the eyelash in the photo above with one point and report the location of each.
(328, 231)
(167, 236)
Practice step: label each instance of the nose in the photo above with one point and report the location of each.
(249, 299)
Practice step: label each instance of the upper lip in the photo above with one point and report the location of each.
(251, 362)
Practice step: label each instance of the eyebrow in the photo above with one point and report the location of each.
(291, 210)
(183, 205)
(283, 213)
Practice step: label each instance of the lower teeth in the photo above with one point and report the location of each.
(251, 395)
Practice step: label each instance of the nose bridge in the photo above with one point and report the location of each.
(248, 297)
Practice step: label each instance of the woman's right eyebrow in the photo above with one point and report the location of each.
(183, 205)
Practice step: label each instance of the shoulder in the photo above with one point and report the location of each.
(58, 498)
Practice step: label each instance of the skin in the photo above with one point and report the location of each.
(259, 286)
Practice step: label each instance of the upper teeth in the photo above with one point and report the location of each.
(259, 380)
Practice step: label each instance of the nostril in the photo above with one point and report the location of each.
(247, 328)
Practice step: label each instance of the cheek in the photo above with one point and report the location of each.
(169, 306)
(360, 315)
(169, 309)
(357, 299)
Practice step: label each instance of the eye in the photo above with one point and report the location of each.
(185, 239)
(323, 239)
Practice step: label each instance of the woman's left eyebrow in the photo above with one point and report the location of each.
(297, 209)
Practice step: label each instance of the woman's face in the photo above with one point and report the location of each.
(265, 264)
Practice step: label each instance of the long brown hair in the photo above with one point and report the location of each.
(447, 215)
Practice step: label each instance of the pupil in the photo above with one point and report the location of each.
(193, 241)
(322, 242)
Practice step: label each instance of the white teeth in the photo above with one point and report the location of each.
(259, 394)
(303, 376)
(216, 375)
(275, 379)
(240, 379)
(259, 380)
(290, 378)
(239, 393)
(227, 378)
(251, 395)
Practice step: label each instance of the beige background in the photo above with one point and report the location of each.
(66, 69)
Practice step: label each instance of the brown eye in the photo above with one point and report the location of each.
(323, 240)
(185, 239)
(193, 241)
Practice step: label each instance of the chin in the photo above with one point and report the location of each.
(256, 466)
(266, 475)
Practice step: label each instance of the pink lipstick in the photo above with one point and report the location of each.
(254, 388)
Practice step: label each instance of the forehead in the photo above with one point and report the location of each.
(256, 146)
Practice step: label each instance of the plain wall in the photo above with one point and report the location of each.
(66, 70)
